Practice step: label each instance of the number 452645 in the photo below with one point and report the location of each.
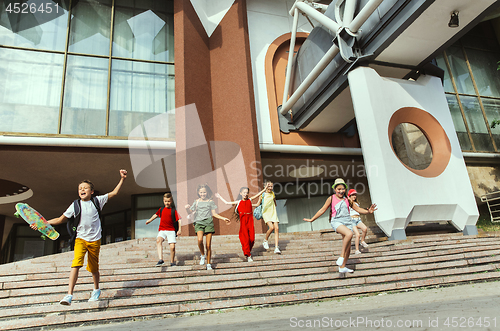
(469, 322)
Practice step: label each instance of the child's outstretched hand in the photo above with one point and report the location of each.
(217, 195)
(123, 173)
(33, 226)
(372, 208)
(308, 220)
(228, 221)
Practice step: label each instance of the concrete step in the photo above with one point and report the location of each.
(30, 290)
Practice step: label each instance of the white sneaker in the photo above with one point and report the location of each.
(95, 295)
(345, 269)
(250, 259)
(356, 252)
(66, 301)
(265, 244)
(277, 250)
(340, 260)
(209, 267)
(365, 245)
(202, 260)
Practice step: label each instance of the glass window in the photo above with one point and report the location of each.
(139, 91)
(458, 121)
(484, 69)
(85, 96)
(30, 91)
(39, 30)
(146, 231)
(447, 84)
(492, 110)
(460, 71)
(291, 213)
(90, 27)
(482, 36)
(144, 32)
(477, 125)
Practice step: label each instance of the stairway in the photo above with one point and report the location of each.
(133, 288)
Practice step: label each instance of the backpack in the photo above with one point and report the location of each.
(174, 220)
(74, 222)
(257, 212)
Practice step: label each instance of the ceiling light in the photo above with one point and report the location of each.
(306, 172)
(453, 20)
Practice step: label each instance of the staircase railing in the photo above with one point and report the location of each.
(493, 201)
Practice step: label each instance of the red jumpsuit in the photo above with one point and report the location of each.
(247, 230)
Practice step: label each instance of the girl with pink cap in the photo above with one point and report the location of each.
(352, 195)
(341, 219)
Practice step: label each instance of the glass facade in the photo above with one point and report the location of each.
(472, 87)
(90, 68)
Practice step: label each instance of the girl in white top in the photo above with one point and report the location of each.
(356, 220)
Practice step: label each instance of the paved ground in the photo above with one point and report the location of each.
(464, 307)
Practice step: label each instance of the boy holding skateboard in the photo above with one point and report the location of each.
(88, 233)
(170, 227)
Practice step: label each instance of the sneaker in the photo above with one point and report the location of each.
(173, 264)
(345, 269)
(202, 260)
(265, 244)
(209, 267)
(160, 263)
(277, 250)
(340, 260)
(364, 244)
(249, 259)
(356, 252)
(95, 295)
(66, 301)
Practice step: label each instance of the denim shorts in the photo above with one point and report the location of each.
(356, 220)
(336, 224)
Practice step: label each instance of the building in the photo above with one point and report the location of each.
(78, 82)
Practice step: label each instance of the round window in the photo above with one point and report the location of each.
(411, 146)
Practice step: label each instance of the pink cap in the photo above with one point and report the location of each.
(351, 192)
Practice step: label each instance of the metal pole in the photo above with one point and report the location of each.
(363, 15)
(288, 77)
(350, 7)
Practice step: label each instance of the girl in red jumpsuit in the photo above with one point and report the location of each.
(243, 212)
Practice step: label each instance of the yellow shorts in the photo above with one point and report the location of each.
(81, 248)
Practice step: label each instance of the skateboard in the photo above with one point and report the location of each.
(31, 216)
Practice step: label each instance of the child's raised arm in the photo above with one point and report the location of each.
(321, 211)
(217, 195)
(364, 211)
(258, 194)
(123, 176)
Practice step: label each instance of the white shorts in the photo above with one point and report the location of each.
(169, 235)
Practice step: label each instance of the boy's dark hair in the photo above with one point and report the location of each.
(86, 181)
(168, 195)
